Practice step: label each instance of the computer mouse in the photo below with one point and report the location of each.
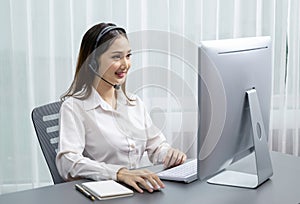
(151, 186)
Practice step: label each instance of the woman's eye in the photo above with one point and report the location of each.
(128, 55)
(116, 57)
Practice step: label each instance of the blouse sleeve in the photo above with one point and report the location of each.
(157, 145)
(70, 161)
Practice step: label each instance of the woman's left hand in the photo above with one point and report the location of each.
(174, 157)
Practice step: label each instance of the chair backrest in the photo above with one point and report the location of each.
(45, 120)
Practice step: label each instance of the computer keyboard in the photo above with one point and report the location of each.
(185, 172)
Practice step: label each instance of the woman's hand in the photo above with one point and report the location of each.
(137, 178)
(174, 157)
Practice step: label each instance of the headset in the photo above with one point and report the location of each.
(93, 64)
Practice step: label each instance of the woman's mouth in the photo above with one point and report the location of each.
(120, 74)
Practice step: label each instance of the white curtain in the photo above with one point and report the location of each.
(286, 94)
(40, 41)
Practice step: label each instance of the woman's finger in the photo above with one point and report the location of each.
(168, 157)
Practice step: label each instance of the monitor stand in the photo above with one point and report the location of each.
(262, 156)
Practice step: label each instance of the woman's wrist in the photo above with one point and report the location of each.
(120, 173)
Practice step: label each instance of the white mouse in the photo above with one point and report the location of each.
(151, 186)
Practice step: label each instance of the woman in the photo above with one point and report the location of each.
(104, 132)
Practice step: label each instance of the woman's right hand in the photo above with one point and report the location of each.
(137, 178)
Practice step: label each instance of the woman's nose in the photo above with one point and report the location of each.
(125, 63)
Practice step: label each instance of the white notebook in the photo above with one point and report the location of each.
(107, 189)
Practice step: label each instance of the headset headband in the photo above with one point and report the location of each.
(105, 31)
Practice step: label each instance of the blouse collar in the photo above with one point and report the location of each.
(95, 100)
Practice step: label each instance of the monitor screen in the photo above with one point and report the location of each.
(228, 68)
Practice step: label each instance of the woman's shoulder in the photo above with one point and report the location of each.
(72, 102)
(133, 99)
(72, 99)
(139, 102)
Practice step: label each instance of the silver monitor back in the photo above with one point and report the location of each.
(228, 68)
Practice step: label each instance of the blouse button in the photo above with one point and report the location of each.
(132, 146)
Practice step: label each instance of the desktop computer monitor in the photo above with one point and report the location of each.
(231, 124)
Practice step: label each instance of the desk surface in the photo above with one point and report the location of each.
(283, 187)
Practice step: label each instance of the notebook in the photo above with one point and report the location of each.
(107, 189)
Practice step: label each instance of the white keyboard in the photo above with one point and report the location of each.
(186, 172)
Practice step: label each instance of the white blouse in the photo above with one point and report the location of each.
(96, 141)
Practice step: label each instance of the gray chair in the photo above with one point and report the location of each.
(45, 121)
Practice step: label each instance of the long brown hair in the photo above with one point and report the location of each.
(81, 86)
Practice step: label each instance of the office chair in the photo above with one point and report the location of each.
(45, 121)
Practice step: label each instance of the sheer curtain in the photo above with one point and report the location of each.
(286, 94)
(40, 42)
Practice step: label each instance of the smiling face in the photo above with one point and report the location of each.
(115, 62)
